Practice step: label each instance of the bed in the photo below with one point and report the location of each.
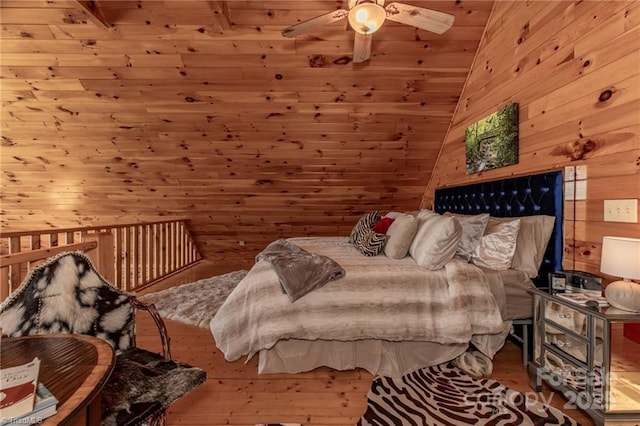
(390, 316)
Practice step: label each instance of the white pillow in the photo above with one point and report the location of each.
(498, 244)
(392, 215)
(473, 227)
(400, 235)
(533, 238)
(417, 212)
(436, 240)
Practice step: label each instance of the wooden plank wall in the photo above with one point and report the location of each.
(574, 69)
(202, 110)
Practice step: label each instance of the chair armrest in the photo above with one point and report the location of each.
(162, 329)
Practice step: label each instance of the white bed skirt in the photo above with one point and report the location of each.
(379, 357)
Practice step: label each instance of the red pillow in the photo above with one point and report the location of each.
(383, 225)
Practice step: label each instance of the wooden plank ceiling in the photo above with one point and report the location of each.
(202, 110)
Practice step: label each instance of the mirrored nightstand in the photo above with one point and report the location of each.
(582, 353)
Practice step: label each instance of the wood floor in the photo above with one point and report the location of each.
(235, 394)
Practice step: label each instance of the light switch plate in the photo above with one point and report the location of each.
(570, 190)
(621, 210)
(569, 173)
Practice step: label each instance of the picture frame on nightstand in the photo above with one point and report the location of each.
(557, 282)
(574, 281)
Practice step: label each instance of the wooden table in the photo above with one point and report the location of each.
(74, 368)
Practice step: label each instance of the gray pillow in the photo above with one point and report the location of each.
(436, 240)
(498, 244)
(533, 238)
(400, 235)
(473, 227)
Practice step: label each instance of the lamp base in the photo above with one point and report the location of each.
(623, 295)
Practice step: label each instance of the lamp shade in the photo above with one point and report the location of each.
(367, 18)
(621, 257)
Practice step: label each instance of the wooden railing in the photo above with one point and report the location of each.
(131, 256)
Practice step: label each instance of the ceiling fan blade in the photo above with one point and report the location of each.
(426, 19)
(362, 48)
(312, 23)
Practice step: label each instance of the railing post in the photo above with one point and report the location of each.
(103, 257)
(144, 259)
(5, 289)
(119, 244)
(16, 273)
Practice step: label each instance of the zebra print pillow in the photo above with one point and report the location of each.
(365, 223)
(370, 243)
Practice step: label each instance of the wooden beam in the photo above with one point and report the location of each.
(93, 12)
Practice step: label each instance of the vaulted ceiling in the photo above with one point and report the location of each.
(202, 110)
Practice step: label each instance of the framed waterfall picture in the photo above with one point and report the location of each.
(493, 141)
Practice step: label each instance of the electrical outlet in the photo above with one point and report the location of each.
(581, 190)
(621, 210)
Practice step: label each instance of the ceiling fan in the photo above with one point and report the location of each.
(367, 16)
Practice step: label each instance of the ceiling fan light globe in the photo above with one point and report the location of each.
(367, 18)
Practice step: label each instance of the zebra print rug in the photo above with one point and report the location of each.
(444, 395)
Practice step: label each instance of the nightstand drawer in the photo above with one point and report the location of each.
(566, 317)
(573, 346)
(567, 344)
(570, 320)
(579, 379)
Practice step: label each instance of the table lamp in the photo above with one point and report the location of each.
(621, 258)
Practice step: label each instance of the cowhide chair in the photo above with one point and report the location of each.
(67, 295)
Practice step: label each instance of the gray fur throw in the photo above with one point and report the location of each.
(144, 383)
(299, 271)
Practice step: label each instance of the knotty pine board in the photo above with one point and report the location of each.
(575, 77)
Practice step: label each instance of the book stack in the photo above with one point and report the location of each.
(23, 400)
(584, 299)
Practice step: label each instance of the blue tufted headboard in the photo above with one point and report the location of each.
(513, 197)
